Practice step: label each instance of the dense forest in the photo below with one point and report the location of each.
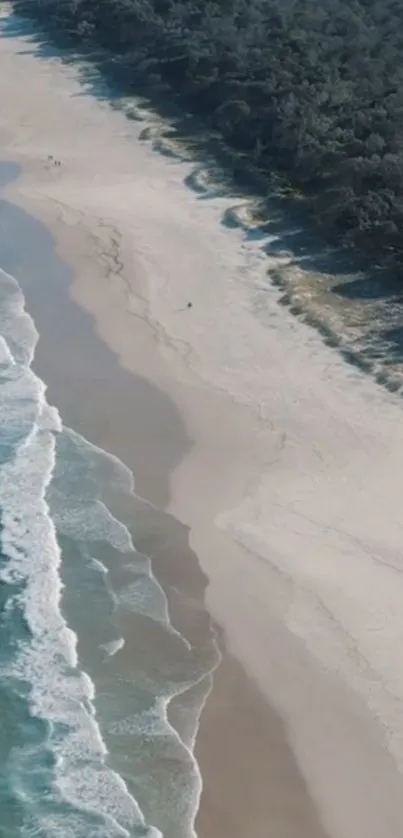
(312, 90)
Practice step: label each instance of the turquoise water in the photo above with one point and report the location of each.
(89, 658)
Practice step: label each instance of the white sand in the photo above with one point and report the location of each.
(294, 486)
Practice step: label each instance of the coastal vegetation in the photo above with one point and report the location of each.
(311, 90)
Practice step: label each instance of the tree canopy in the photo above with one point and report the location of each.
(312, 90)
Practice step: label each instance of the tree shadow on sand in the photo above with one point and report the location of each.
(266, 210)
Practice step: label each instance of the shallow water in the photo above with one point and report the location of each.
(89, 659)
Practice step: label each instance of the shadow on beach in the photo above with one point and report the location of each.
(270, 215)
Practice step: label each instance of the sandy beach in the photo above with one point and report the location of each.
(282, 465)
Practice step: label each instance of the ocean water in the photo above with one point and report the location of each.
(89, 659)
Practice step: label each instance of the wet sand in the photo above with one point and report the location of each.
(263, 794)
(279, 465)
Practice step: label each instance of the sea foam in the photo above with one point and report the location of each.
(95, 799)
(51, 481)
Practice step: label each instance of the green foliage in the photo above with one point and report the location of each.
(311, 89)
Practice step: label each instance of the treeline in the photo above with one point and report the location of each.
(310, 88)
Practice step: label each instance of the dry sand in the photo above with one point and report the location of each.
(292, 488)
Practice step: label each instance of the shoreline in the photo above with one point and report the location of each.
(234, 698)
(244, 438)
